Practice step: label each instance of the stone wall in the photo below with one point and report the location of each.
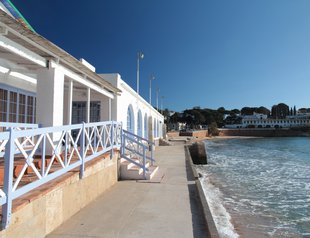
(271, 132)
(197, 134)
(39, 212)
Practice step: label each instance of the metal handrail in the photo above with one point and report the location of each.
(8, 125)
(138, 143)
(53, 152)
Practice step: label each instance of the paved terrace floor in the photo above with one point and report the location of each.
(129, 209)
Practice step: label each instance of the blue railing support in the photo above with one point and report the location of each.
(112, 140)
(132, 144)
(144, 163)
(43, 153)
(152, 154)
(8, 180)
(82, 152)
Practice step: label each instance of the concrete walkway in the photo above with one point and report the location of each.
(170, 208)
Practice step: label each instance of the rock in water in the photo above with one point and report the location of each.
(198, 153)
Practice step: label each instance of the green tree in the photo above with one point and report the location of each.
(280, 111)
(213, 130)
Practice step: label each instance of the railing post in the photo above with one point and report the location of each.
(122, 142)
(43, 152)
(112, 140)
(152, 154)
(82, 151)
(144, 162)
(66, 148)
(95, 137)
(8, 180)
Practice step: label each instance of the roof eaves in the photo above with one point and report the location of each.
(56, 51)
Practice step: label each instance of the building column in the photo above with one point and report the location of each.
(88, 106)
(50, 97)
(69, 109)
(110, 109)
(50, 101)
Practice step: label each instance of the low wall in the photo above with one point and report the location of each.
(172, 134)
(263, 132)
(39, 212)
(197, 134)
(212, 231)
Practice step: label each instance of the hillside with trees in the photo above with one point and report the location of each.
(197, 117)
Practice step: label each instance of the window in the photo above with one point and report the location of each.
(13, 107)
(22, 108)
(155, 128)
(145, 127)
(30, 110)
(17, 105)
(79, 112)
(3, 104)
(130, 120)
(139, 123)
(94, 112)
(158, 124)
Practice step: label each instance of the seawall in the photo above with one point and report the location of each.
(212, 231)
(264, 132)
(200, 134)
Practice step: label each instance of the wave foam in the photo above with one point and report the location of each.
(220, 215)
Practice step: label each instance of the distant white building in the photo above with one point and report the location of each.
(262, 121)
(255, 116)
(176, 126)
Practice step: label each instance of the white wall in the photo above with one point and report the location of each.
(130, 97)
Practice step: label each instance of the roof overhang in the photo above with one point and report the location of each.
(42, 52)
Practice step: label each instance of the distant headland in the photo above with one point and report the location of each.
(281, 120)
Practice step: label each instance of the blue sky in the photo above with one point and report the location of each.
(229, 53)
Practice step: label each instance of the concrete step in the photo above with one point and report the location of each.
(152, 171)
(130, 171)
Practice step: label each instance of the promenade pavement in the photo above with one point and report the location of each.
(168, 206)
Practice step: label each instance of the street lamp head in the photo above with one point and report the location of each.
(140, 55)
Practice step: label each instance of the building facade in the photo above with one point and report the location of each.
(262, 121)
(43, 84)
(137, 115)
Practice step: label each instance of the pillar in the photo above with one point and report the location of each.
(88, 106)
(69, 109)
(50, 101)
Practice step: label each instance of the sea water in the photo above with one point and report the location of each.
(259, 187)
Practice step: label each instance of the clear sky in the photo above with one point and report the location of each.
(207, 53)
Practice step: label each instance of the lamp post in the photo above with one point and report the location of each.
(162, 103)
(152, 77)
(157, 92)
(140, 55)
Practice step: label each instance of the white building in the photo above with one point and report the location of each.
(137, 115)
(41, 83)
(261, 121)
